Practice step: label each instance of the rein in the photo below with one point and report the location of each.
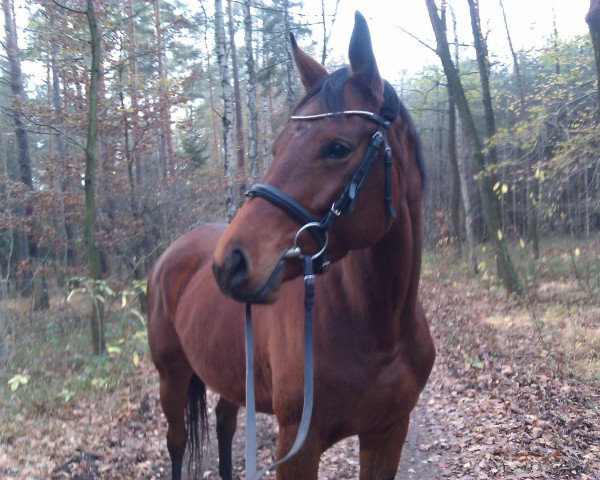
(312, 264)
(309, 295)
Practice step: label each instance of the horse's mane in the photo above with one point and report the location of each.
(329, 92)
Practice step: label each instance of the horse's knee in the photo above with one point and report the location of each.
(226, 418)
(173, 392)
(305, 464)
(380, 452)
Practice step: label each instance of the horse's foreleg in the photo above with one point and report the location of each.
(305, 464)
(380, 452)
(173, 397)
(226, 426)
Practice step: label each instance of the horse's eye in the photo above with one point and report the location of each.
(336, 149)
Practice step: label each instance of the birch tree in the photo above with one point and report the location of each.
(252, 111)
(237, 100)
(289, 62)
(227, 93)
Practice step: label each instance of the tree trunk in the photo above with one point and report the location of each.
(265, 111)
(131, 137)
(61, 146)
(461, 167)
(251, 94)
(23, 240)
(215, 150)
(516, 66)
(89, 235)
(289, 63)
(227, 92)
(455, 198)
(137, 268)
(237, 96)
(484, 77)
(18, 93)
(455, 193)
(586, 192)
(491, 210)
(133, 90)
(531, 180)
(325, 37)
(327, 33)
(164, 121)
(469, 217)
(266, 151)
(31, 282)
(9, 249)
(593, 20)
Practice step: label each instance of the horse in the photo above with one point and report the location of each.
(373, 350)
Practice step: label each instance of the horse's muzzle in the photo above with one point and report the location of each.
(234, 279)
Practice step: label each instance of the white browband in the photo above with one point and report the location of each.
(333, 114)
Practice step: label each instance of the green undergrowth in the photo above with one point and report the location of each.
(560, 259)
(47, 360)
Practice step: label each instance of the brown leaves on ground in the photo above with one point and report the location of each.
(495, 407)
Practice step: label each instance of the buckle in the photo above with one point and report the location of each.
(336, 211)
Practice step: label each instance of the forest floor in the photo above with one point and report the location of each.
(514, 393)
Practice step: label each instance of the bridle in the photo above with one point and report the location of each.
(315, 263)
(346, 199)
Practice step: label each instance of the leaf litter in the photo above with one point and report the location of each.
(495, 407)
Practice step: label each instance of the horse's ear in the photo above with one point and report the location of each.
(310, 70)
(362, 59)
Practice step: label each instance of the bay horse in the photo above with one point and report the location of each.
(373, 351)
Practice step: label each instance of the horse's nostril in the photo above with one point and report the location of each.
(238, 269)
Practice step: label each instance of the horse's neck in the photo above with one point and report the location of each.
(382, 282)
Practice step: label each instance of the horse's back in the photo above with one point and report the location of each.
(168, 280)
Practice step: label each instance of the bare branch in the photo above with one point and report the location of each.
(12, 113)
(70, 9)
(414, 37)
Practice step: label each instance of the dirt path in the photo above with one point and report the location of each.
(417, 461)
(341, 460)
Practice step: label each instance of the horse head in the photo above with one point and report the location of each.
(343, 118)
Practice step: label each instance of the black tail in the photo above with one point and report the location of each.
(196, 419)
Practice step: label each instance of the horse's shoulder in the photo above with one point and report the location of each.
(202, 237)
(183, 258)
(197, 243)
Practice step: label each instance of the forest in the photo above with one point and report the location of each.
(125, 124)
